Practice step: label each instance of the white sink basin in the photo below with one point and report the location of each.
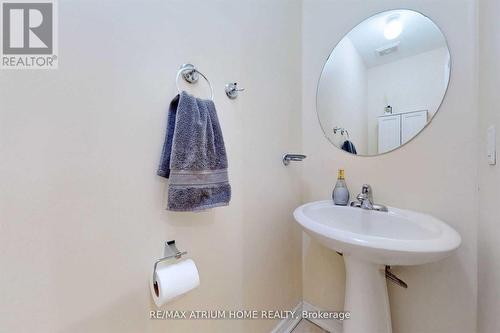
(397, 237)
(369, 240)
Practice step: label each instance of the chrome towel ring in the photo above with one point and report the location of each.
(342, 131)
(191, 75)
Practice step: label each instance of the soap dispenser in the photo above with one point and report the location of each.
(340, 193)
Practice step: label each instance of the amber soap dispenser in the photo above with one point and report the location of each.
(340, 193)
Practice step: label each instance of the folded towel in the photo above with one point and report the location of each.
(194, 156)
(349, 147)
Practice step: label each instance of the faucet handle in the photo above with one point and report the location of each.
(366, 194)
(365, 200)
(367, 191)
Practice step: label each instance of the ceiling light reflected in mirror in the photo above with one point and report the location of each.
(393, 27)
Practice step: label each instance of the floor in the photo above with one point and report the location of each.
(305, 326)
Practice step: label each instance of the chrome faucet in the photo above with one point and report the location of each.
(365, 200)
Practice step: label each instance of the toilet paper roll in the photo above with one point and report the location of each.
(170, 281)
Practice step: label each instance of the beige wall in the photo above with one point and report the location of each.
(436, 173)
(82, 215)
(489, 226)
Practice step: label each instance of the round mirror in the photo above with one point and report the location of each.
(383, 82)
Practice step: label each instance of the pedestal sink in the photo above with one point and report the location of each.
(370, 240)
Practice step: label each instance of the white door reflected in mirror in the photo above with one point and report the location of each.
(383, 82)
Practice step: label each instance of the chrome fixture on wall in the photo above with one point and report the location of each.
(169, 252)
(176, 278)
(287, 158)
(365, 200)
(232, 90)
(191, 75)
(341, 130)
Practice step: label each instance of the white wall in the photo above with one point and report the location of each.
(342, 96)
(489, 222)
(82, 215)
(435, 173)
(410, 84)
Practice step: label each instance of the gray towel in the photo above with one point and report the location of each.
(349, 147)
(194, 156)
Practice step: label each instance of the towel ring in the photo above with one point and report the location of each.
(190, 75)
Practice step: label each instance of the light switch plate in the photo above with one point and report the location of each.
(491, 145)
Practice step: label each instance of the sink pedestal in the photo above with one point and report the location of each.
(366, 297)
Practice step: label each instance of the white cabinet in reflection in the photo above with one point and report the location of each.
(397, 129)
(389, 133)
(411, 124)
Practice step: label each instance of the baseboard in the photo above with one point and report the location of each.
(287, 325)
(330, 325)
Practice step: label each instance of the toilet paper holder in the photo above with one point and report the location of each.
(169, 252)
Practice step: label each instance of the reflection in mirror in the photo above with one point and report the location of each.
(383, 82)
